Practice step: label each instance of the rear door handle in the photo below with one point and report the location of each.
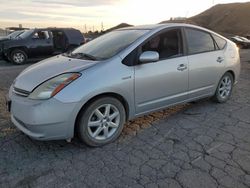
(220, 59)
(182, 67)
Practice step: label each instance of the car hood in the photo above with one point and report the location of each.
(48, 68)
(4, 39)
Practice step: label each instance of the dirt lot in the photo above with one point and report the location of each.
(196, 145)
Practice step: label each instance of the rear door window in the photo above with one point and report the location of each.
(199, 41)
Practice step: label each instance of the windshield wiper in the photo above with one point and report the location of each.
(88, 56)
(83, 55)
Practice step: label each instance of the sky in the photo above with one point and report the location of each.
(95, 14)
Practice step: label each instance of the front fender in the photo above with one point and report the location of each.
(7, 50)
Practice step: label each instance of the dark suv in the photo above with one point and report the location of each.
(41, 42)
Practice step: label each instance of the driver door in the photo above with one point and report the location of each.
(165, 82)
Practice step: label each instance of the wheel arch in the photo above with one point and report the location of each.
(23, 48)
(232, 73)
(107, 94)
(227, 71)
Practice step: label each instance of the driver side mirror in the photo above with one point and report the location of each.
(149, 57)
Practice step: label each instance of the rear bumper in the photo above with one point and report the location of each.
(43, 119)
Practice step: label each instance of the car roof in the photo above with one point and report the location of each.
(58, 28)
(162, 26)
(158, 27)
(53, 28)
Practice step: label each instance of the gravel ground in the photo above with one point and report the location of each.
(196, 145)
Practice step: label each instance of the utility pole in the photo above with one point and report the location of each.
(85, 28)
(102, 28)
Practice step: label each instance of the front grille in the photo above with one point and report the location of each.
(21, 92)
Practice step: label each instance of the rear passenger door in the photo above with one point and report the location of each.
(206, 62)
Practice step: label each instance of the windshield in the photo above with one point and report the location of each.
(26, 33)
(108, 45)
(14, 34)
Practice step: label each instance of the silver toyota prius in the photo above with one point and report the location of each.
(93, 90)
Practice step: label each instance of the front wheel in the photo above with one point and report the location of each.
(102, 122)
(224, 89)
(18, 57)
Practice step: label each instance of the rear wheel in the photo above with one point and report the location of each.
(18, 57)
(102, 122)
(224, 89)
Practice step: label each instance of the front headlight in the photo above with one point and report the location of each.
(54, 85)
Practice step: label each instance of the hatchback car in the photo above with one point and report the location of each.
(121, 75)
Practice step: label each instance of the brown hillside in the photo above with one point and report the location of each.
(226, 18)
(232, 18)
(118, 27)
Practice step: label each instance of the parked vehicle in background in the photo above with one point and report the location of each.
(11, 36)
(41, 42)
(88, 39)
(121, 75)
(241, 42)
(66, 39)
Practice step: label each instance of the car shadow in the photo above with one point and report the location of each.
(131, 129)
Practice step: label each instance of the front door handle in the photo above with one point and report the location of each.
(182, 67)
(220, 59)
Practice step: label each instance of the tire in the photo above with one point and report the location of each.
(101, 122)
(224, 88)
(18, 57)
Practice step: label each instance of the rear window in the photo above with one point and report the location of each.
(199, 41)
(73, 33)
(220, 41)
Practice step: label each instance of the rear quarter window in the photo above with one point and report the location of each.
(221, 43)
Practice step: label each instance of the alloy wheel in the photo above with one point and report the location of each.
(103, 122)
(18, 58)
(225, 87)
